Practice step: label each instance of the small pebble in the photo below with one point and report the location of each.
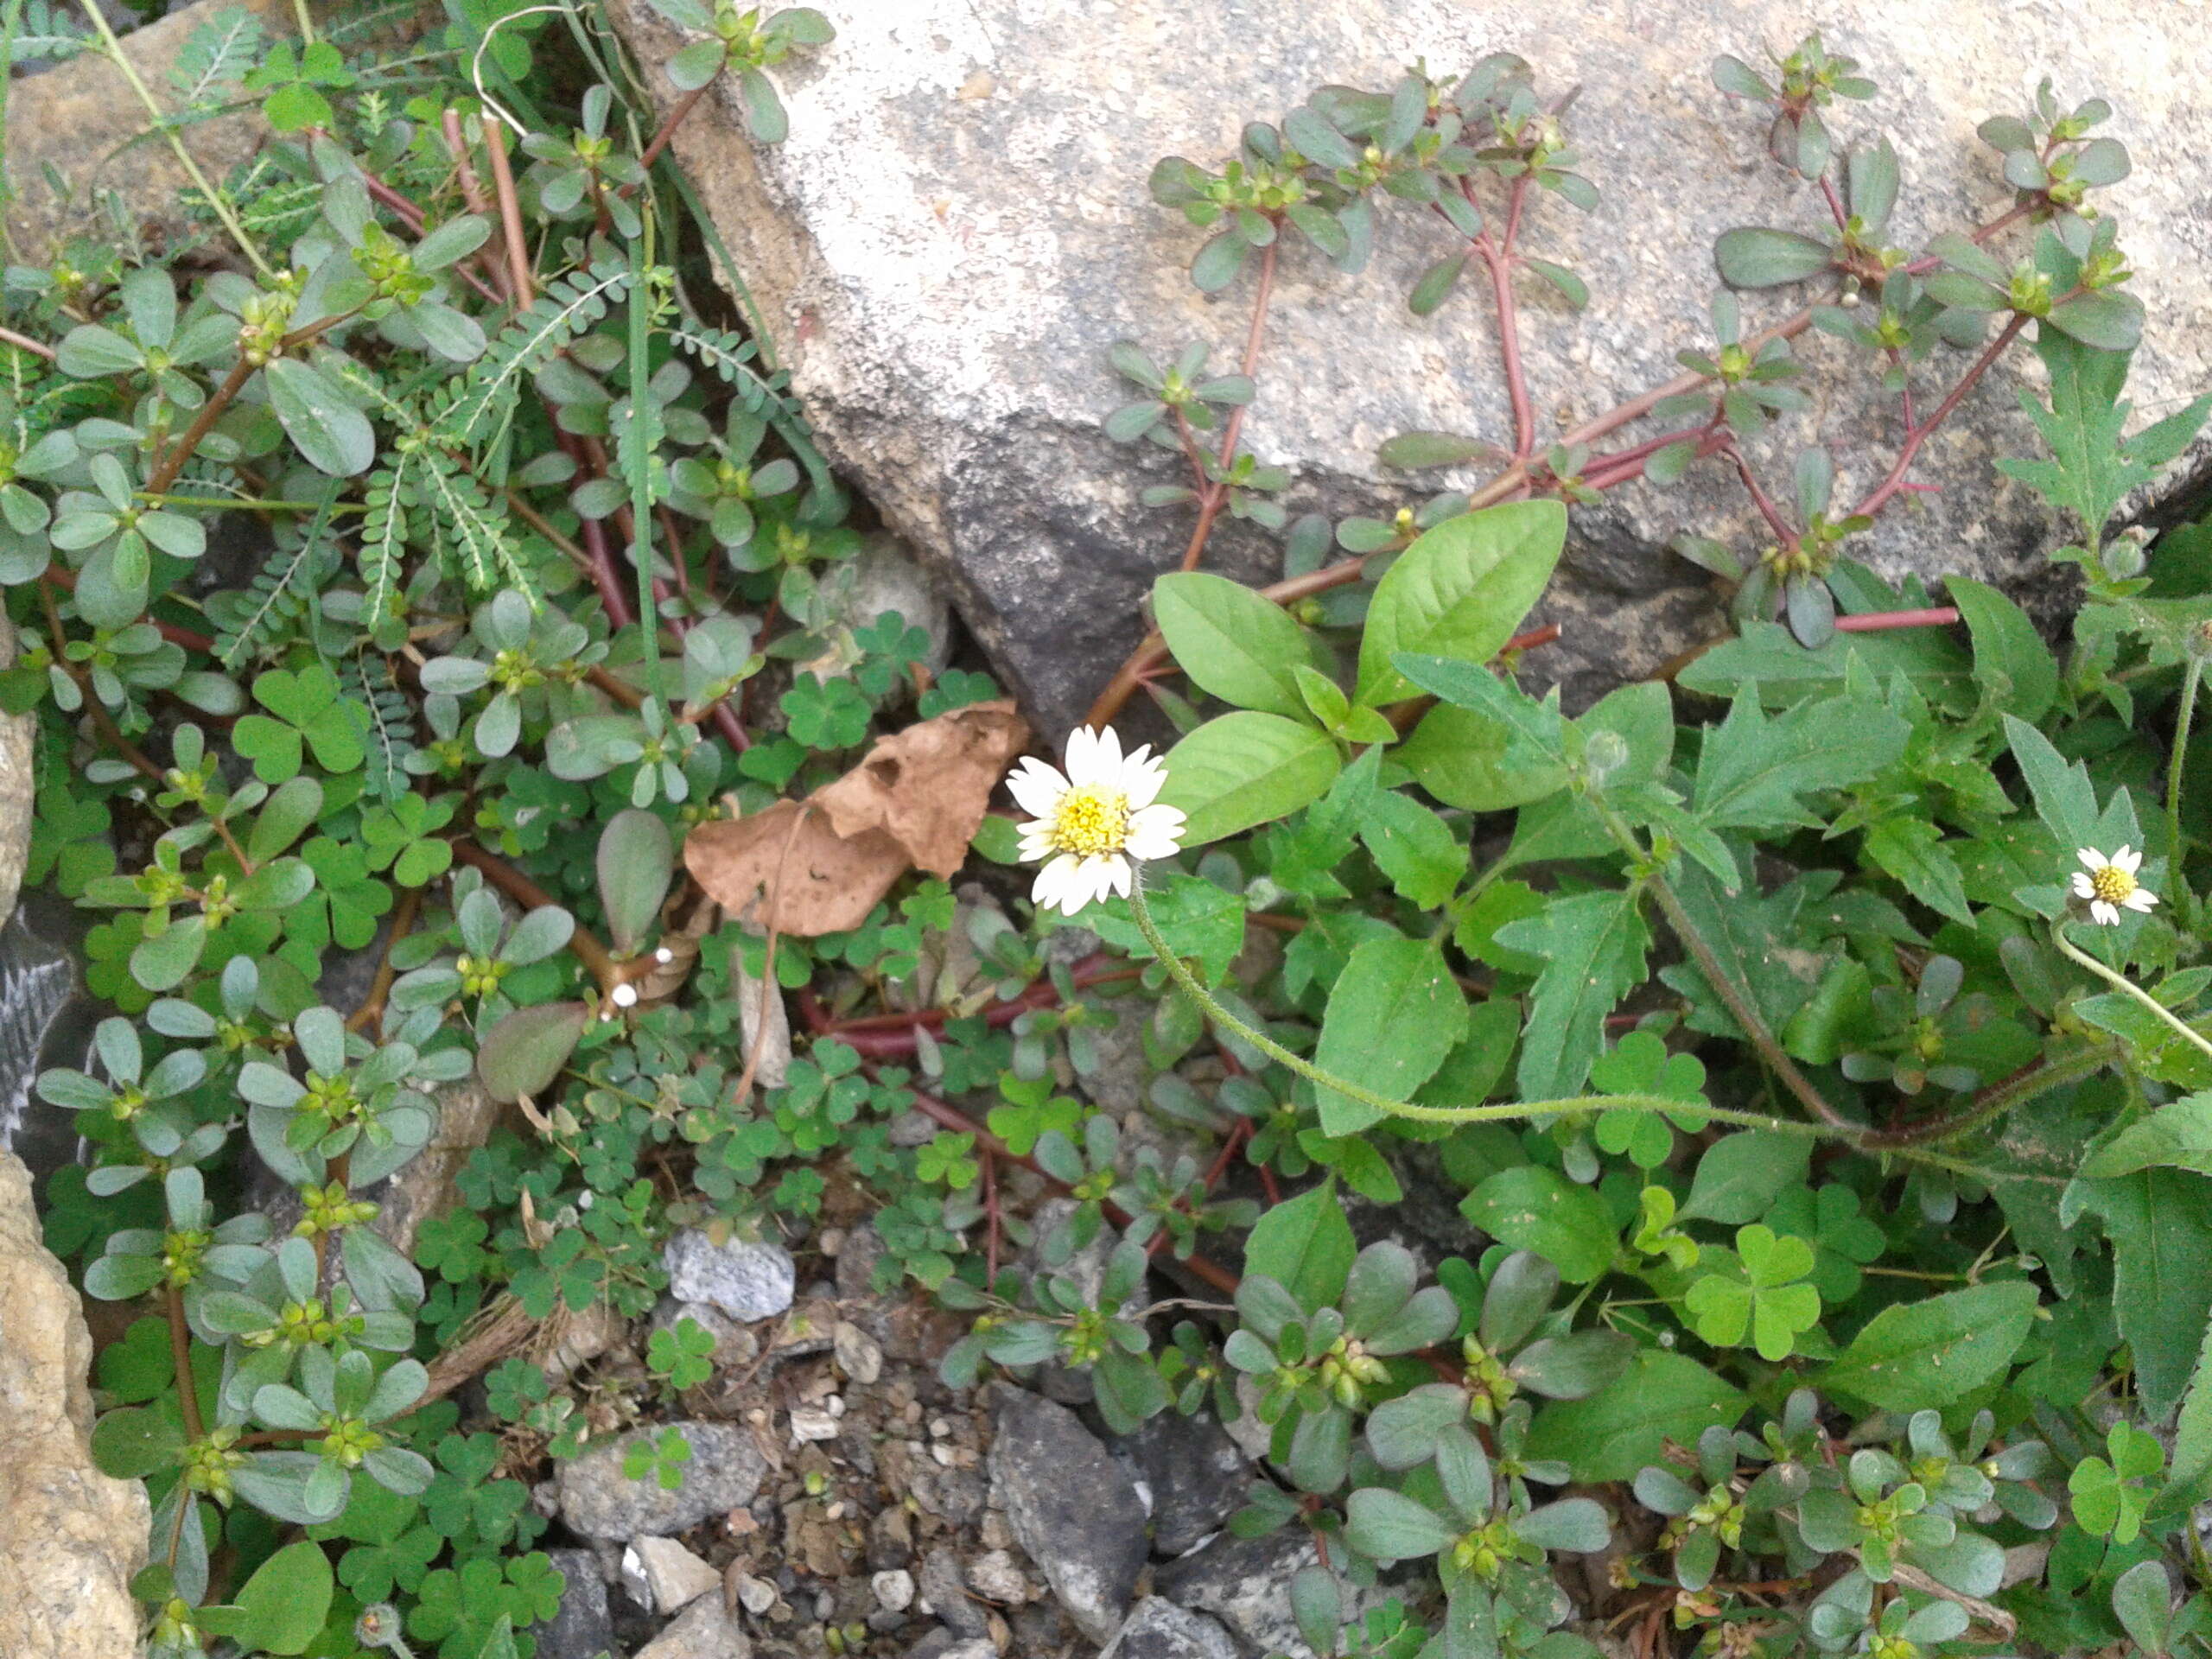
(810, 1424)
(995, 1578)
(942, 1453)
(939, 1428)
(894, 1590)
(756, 1595)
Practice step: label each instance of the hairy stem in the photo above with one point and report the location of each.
(2001, 1097)
(2120, 982)
(2192, 677)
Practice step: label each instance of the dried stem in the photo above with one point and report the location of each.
(503, 182)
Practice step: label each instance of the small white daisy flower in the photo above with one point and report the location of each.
(2109, 884)
(1093, 825)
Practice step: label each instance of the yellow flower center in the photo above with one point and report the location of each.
(1091, 820)
(2112, 884)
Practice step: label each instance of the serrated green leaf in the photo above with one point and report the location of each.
(1593, 946)
(1393, 1014)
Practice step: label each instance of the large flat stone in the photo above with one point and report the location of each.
(957, 228)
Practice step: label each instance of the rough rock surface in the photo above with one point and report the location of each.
(1159, 1630)
(583, 1628)
(1245, 1583)
(1196, 1474)
(80, 119)
(70, 1537)
(745, 1279)
(1071, 1507)
(706, 1630)
(599, 1501)
(957, 228)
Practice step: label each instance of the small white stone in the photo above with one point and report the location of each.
(942, 1453)
(859, 1355)
(675, 1576)
(939, 1428)
(894, 1590)
(809, 1423)
(995, 1578)
(835, 1405)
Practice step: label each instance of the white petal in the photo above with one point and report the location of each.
(1118, 875)
(1037, 787)
(1089, 882)
(2128, 860)
(1087, 760)
(2141, 899)
(2083, 887)
(1142, 780)
(1110, 753)
(1154, 832)
(1052, 880)
(2103, 913)
(2092, 860)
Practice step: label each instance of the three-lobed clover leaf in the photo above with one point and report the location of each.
(1772, 1302)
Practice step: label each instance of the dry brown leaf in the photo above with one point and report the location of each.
(926, 787)
(819, 866)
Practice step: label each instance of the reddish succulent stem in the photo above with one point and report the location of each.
(1768, 511)
(1881, 494)
(893, 1036)
(1499, 257)
(1215, 495)
(1876, 621)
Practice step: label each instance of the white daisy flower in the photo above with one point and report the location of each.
(1091, 827)
(2109, 884)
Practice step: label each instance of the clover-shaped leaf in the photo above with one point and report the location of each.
(1639, 1064)
(309, 711)
(1774, 1304)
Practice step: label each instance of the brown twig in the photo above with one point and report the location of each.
(402, 923)
(202, 424)
(670, 122)
(25, 343)
(187, 1394)
(503, 182)
(1876, 621)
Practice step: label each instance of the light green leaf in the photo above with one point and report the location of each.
(1921, 1355)
(1912, 850)
(1593, 946)
(1533, 1208)
(1242, 648)
(2011, 661)
(1414, 849)
(1459, 591)
(1751, 257)
(1741, 1175)
(2160, 1224)
(636, 861)
(1752, 768)
(1245, 769)
(1618, 1432)
(1393, 1014)
(1304, 1245)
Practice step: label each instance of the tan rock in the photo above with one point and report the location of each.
(70, 1537)
(957, 228)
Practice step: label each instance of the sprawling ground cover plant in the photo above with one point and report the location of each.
(1813, 1046)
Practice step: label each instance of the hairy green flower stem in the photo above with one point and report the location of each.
(1903, 1145)
(2120, 982)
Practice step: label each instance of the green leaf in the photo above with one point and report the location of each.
(285, 816)
(1304, 1245)
(1460, 756)
(1389, 1526)
(2091, 469)
(1533, 1208)
(2103, 321)
(1245, 769)
(1200, 921)
(1752, 257)
(1752, 768)
(2160, 1224)
(287, 1599)
(636, 861)
(524, 1051)
(1458, 591)
(1926, 1354)
(1242, 648)
(1415, 449)
(2065, 799)
(2011, 662)
(2178, 1136)
(1593, 946)
(331, 435)
(1741, 1175)
(1393, 1014)
(1414, 849)
(1617, 1432)
(2142, 1601)
(1913, 850)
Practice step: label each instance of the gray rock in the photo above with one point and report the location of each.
(945, 1591)
(734, 1343)
(1197, 1476)
(893, 1590)
(979, 1647)
(1072, 1508)
(672, 1576)
(936, 1645)
(599, 1501)
(746, 1279)
(1156, 1629)
(582, 1628)
(70, 1536)
(957, 229)
(1245, 1583)
(46, 1021)
(705, 1630)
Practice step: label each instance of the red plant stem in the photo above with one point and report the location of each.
(1834, 201)
(1215, 496)
(991, 1213)
(187, 1394)
(1239, 1132)
(1876, 621)
(582, 944)
(668, 126)
(603, 577)
(889, 1036)
(1882, 492)
(1499, 257)
(1206, 1272)
(1768, 511)
(503, 181)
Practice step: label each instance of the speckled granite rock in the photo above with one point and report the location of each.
(957, 228)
